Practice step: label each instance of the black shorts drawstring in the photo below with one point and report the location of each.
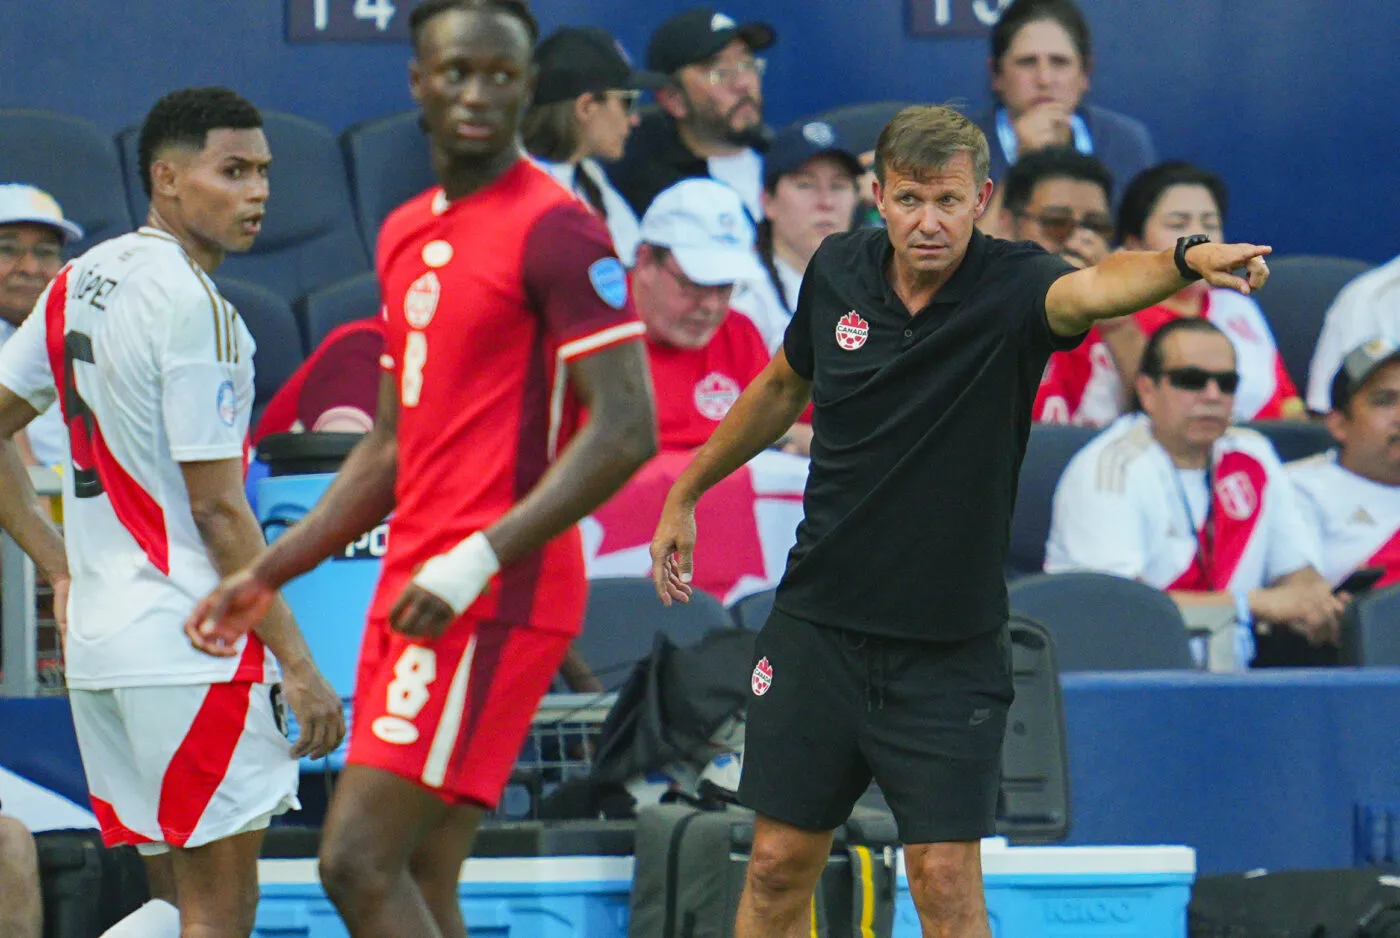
(873, 657)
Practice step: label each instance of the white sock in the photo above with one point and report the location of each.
(155, 919)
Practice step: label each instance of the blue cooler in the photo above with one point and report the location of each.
(330, 602)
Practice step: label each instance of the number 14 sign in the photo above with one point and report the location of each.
(347, 20)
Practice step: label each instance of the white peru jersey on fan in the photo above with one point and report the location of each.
(153, 368)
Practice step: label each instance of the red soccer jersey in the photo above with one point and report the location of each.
(696, 387)
(487, 299)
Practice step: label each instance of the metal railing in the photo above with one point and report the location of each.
(19, 607)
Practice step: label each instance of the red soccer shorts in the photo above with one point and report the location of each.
(451, 715)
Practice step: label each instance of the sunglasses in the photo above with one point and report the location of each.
(628, 98)
(1196, 379)
(1062, 227)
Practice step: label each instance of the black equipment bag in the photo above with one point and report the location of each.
(1296, 904)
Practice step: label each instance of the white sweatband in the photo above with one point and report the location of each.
(458, 576)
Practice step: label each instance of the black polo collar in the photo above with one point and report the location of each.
(951, 293)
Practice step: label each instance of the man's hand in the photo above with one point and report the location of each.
(673, 552)
(61, 585)
(797, 441)
(320, 716)
(1045, 125)
(1307, 606)
(1217, 263)
(233, 610)
(420, 614)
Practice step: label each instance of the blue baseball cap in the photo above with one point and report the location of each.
(797, 143)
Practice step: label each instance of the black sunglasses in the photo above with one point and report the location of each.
(1196, 379)
(1062, 227)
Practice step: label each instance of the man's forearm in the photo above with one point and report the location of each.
(360, 496)
(23, 516)
(1122, 283)
(762, 414)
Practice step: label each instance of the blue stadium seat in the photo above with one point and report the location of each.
(1294, 439)
(1371, 630)
(752, 611)
(1049, 450)
(1295, 302)
(1104, 623)
(389, 164)
(269, 318)
(322, 311)
(309, 238)
(624, 616)
(72, 160)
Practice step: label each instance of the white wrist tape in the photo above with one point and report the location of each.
(458, 576)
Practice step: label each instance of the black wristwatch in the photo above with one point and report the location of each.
(1182, 245)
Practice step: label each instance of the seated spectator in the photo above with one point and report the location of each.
(1178, 499)
(1367, 308)
(1171, 201)
(1352, 494)
(710, 115)
(1058, 198)
(859, 126)
(809, 192)
(33, 232)
(697, 242)
(1040, 65)
(583, 110)
(336, 390)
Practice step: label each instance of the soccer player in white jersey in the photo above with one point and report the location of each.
(1351, 495)
(153, 371)
(1175, 497)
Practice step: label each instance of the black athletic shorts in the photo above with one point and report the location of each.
(829, 709)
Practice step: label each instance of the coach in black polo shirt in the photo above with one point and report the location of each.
(921, 347)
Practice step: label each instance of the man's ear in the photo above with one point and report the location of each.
(984, 198)
(672, 100)
(165, 179)
(1338, 424)
(415, 80)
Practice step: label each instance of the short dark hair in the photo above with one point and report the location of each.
(429, 9)
(184, 118)
(1140, 198)
(1024, 12)
(1152, 354)
(923, 137)
(1018, 188)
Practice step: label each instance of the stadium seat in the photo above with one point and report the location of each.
(752, 611)
(1294, 439)
(1050, 449)
(309, 238)
(72, 160)
(1295, 302)
(329, 307)
(1104, 623)
(389, 164)
(1371, 630)
(269, 318)
(623, 617)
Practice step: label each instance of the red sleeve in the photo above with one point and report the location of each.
(345, 374)
(1153, 318)
(574, 279)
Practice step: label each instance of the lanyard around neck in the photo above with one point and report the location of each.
(1006, 135)
(1205, 534)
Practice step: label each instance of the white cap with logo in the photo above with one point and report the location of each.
(21, 204)
(704, 224)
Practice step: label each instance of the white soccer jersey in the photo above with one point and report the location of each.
(1366, 309)
(154, 368)
(1357, 521)
(1122, 507)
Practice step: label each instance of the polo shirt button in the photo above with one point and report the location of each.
(909, 333)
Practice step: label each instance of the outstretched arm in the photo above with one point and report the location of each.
(765, 410)
(1127, 281)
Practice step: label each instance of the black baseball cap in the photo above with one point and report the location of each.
(699, 34)
(797, 143)
(576, 60)
(1359, 365)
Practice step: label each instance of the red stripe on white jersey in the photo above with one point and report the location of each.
(200, 764)
(114, 832)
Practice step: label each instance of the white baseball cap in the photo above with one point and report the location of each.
(21, 204)
(704, 225)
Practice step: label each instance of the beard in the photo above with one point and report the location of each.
(708, 123)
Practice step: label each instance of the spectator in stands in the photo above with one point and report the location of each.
(710, 118)
(1175, 497)
(859, 126)
(1040, 64)
(1365, 309)
(583, 110)
(1165, 203)
(1352, 494)
(697, 242)
(809, 192)
(1059, 198)
(335, 390)
(21, 906)
(33, 232)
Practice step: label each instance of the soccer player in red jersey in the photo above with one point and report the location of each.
(507, 318)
